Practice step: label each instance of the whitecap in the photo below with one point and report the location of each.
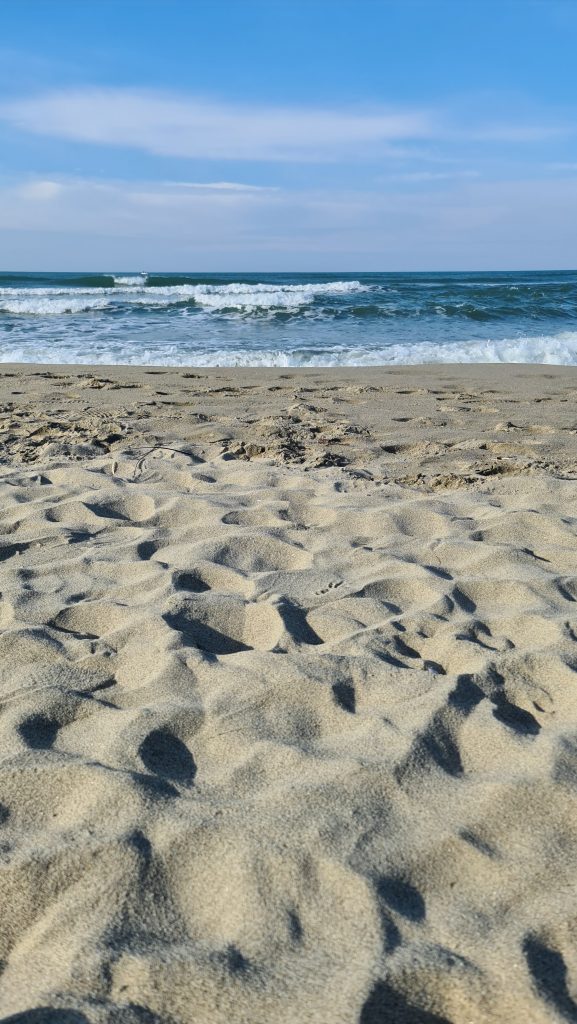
(43, 306)
(130, 279)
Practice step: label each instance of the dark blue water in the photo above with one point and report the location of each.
(288, 319)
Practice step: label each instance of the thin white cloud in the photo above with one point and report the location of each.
(40, 190)
(424, 177)
(223, 186)
(173, 125)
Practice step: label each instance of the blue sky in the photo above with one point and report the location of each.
(301, 135)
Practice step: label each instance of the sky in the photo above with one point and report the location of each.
(288, 135)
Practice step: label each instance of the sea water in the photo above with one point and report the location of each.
(354, 319)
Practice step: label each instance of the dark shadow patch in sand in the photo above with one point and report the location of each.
(73, 632)
(345, 696)
(235, 961)
(202, 636)
(39, 732)
(443, 574)
(387, 1006)
(463, 601)
(391, 935)
(389, 659)
(166, 756)
(466, 694)
(46, 1015)
(103, 511)
(434, 747)
(295, 927)
(79, 536)
(539, 558)
(146, 549)
(402, 897)
(404, 649)
(565, 592)
(520, 721)
(435, 667)
(479, 844)
(438, 745)
(9, 550)
(549, 973)
(295, 621)
(189, 581)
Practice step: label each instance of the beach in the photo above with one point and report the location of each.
(288, 694)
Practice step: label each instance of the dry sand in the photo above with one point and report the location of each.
(288, 696)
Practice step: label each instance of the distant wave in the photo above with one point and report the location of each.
(479, 303)
(130, 279)
(133, 290)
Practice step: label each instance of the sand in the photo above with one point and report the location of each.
(288, 696)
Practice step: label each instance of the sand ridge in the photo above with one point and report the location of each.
(288, 721)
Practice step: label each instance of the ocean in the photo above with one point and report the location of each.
(288, 319)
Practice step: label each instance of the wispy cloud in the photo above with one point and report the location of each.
(173, 125)
(426, 177)
(223, 186)
(40, 190)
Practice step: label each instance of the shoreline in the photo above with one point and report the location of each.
(287, 694)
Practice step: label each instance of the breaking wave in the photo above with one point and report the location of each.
(558, 349)
(50, 306)
(133, 290)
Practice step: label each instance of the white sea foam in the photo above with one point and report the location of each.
(555, 349)
(560, 349)
(250, 300)
(24, 293)
(252, 296)
(43, 306)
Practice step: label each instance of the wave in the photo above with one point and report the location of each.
(133, 291)
(379, 301)
(267, 296)
(274, 300)
(289, 319)
(130, 279)
(559, 349)
(556, 350)
(51, 307)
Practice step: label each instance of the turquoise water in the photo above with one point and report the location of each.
(288, 319)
